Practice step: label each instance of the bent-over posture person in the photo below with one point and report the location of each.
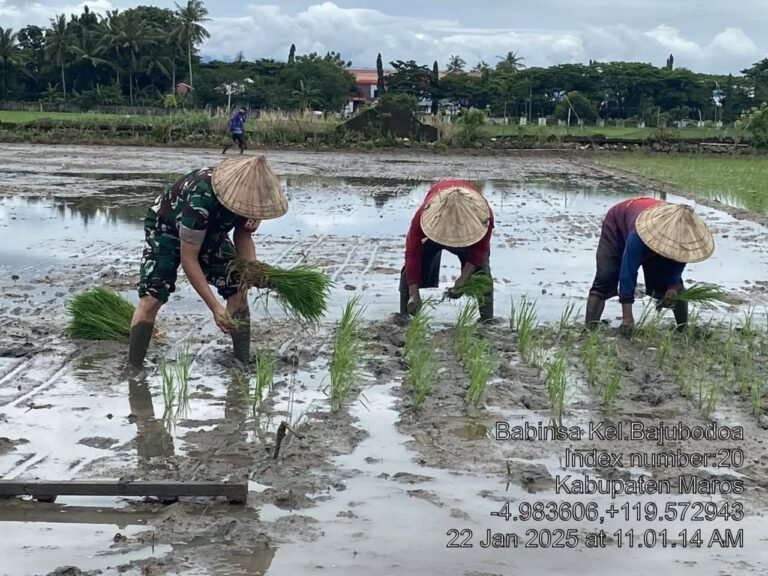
(189, 225)
(660, 237)
(456, 217)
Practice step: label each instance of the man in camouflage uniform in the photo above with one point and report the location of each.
(189, 226)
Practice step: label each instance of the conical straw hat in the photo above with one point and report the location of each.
(675, 232)
(247, 187)
(456, 217)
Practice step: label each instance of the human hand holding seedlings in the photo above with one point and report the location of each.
(669, 299)
(222, 319)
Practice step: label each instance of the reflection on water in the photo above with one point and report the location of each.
(152, 437)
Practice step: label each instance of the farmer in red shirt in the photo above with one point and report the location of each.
(659, 237)
(454, 217)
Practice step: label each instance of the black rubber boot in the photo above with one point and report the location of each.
(595, 307)
(241, 337)
(486, 308)
(681, 314)
(404, 297)
(141, 335)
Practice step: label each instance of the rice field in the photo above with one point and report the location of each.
(365, 437)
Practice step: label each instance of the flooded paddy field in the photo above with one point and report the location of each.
(379, 486)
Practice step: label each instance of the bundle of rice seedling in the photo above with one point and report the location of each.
(99, 314)
(301, 291)
(701, 293)
(477, 286)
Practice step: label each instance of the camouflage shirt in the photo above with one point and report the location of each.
(191, 202)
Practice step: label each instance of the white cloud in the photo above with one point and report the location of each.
(700, 36)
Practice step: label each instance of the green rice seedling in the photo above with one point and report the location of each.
(513, 315)
(262, 377)
(756, 396)
(556, 384)
(480, 364)
(525, 325)
(302, 292)
(728, 351)
(611, 383)
(99, 313)
(565, 318)
(422, 369)
(701, 293)
(466, 329)
(745, 371)
(665, 348)
(182, 367)
(537, 352)
(346, 354)
(714, 391)
(477, 286)
(747, 327)
(168, 378)
(648, 325)
(590, 350)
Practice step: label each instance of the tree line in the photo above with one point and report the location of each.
(137, 57)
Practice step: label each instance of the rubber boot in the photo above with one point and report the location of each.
(241, 337)
(595, 307)
(486, 308)
(141, 335)
(404, 297)
(681, 314)
(226, 147)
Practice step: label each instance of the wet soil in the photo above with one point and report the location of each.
(377, 486)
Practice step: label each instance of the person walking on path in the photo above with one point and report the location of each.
(659, 237)
(189, 226)
(237, 130)
(455, 217)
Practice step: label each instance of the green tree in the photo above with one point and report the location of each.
(509, 63)
(10, 55)
(58, 44)
(410, 78)
(138, 36)
(435, 86)
(456, 63)
(190, 28)
(292, 54)
(380, 85)
(307, 95)
(580, 107)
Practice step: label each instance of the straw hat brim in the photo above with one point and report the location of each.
(248, 187)
(456, 217)
(675, 232)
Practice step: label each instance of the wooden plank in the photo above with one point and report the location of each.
(166, 489)
(57, 514)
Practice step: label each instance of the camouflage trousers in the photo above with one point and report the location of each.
(161, 259)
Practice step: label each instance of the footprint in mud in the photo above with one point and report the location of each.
(408, 478)
(98, 442)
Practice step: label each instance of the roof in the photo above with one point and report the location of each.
(370, 76)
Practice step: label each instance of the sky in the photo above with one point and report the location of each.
(703, 35)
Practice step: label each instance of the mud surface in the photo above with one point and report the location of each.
(375, 487)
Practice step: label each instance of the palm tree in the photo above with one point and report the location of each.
(456, 63)
(58, 43)
(10, 54)
(111, 34)
(510, 63)
(307, 95)
(190, 29)
(88, 50)
(138, 35)
(156, 60)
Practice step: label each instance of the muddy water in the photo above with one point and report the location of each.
(372, 489)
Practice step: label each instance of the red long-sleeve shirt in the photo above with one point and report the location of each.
(414, 241)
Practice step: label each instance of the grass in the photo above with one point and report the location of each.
(741, 181)
(556, 383)
(301, 291)
(261, 379)
(610, 371)
(566, 316)
(590, 351)
(99, 313)
(419, 355)
(664, 348)
(346, 353)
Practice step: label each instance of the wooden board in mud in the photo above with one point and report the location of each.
(165, 490)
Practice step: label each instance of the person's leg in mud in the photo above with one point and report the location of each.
(608, 267)
(431, 254)
(214, 263)
(160, 261)
(228, 146)
(656, 288)
(241, 143)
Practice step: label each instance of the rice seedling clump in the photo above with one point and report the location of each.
(99, 313)
(301, 291)
(477, 286)
(701, 293)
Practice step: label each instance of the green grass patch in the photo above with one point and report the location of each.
(739, 181)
